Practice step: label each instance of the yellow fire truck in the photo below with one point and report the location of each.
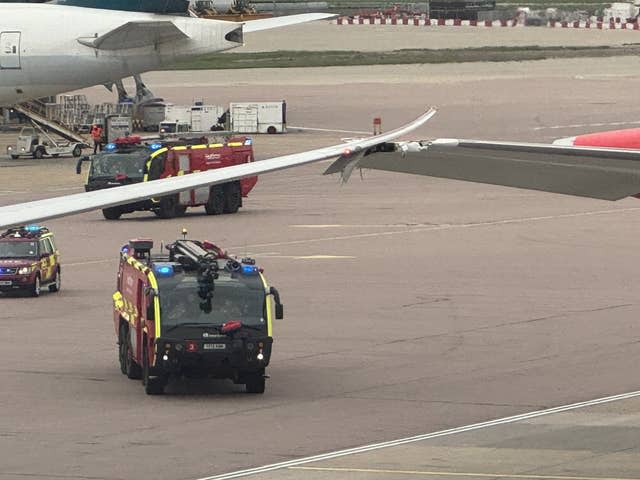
(192, 311)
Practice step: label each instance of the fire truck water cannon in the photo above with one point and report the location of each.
(194, 311)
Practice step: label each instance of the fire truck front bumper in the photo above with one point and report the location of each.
(216, 358)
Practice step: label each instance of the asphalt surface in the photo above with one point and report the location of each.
(412, 304)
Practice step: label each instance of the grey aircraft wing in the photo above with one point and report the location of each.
(24, 213)
(603, 173)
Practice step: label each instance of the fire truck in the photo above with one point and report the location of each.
(29, 260)
(192, 310)
(128, 160)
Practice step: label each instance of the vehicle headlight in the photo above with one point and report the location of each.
(24, 270)
(9, 149)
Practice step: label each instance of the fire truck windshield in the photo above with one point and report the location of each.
(18, 249)
(233, 299)
(109, 164)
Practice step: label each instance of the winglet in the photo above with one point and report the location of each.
(350, 160)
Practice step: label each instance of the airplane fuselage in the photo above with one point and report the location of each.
(41, 55)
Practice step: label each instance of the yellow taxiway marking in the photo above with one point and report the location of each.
(455, 474)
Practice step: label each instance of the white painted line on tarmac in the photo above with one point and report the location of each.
(91, 262)
(454, 474)
(329, 130)
(584, 125)
(419, 438)
(441, 227)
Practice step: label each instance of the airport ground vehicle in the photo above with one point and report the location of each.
(258, 117)
(194, 312)
(35, 142)
(128, 161)
(29, 260)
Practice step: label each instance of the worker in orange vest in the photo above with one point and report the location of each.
(96, 134)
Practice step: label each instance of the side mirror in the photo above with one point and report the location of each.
(79, 164)
(279, 306)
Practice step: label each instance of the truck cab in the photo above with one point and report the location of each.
(194, 312)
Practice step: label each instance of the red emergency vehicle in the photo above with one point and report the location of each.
(128, 160)
(29, 260)
(192, 311)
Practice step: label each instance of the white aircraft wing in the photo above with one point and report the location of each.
(136, 34)
(603, 173)
(277, 22)
(25, 213)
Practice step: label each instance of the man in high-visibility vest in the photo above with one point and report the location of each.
(96, 134)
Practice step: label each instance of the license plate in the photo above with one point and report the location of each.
(215, 346)
(6, 283)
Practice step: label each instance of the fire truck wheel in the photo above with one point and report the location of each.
(233, 197)
(152, 386)
(215, 204)
(168, 207)
(34, 289)
(122, 348)
(131, 369)
(113, 213)
(255, 383)
(39, 153)
(55, 287)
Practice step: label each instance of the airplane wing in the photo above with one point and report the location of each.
(603, 173)
(25, 213)
(136, 34)
(277, 22)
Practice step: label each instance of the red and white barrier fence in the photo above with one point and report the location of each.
(596, 24)
(421, 21)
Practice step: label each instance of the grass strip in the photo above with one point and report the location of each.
(287, 59)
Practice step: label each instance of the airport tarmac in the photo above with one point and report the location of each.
(412, 305)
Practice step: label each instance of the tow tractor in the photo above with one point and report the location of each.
(35, 142)
(128, 160)
(192, 311)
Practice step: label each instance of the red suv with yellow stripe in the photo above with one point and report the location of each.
(29, 260)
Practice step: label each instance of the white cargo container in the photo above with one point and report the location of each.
(258, 117)
(177, 113)
(204, 117)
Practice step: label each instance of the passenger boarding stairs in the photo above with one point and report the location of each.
(36, 112)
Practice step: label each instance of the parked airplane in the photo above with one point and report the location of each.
(604, 165)
(25, 213)
(46, 49)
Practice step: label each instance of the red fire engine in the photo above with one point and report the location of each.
(194, 312)
(128, 161)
